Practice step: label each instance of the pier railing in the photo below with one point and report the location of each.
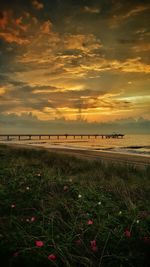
(9, 137)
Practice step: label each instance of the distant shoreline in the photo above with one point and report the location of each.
(114, 157)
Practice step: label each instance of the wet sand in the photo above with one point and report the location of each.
(138, 160)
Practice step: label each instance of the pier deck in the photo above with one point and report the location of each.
(9, 137)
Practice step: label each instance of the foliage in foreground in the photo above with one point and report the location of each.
(67, 212)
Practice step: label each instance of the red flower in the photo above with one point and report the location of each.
(89, 222)
(78, 242)
(39, 243)
(127, 233)
(94, 247)
(52, 257)
(93, 243)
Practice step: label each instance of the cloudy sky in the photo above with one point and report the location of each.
(74, 60)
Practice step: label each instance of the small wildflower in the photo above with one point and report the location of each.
(38, 174)
(89, 222)
(66, 188)
(79, 196)
(70, 180)
(93, 243)
(52, 257)
(27, 220)
(99, 203)
(27, 188)
(120, 212)
(127, 233)
(32, 219)
(39, 243)
(13, 206)
(94, 247)
(137, 221)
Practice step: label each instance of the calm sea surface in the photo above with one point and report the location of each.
(131, 144)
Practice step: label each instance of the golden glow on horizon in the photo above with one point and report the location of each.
(3, 90)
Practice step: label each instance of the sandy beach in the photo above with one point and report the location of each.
(138, 160)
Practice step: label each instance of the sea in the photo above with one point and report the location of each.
(129, 144)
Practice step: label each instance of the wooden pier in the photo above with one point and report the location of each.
(9, 137)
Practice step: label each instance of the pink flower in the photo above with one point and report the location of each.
(78, 242)
(32, 219)
(94, 247)
(39, 243)
(52, 257)
(89, 222)
(93, 243)
(127, 233)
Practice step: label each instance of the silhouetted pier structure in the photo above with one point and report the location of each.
(8, 137)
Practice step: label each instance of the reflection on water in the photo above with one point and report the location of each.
(137, 144)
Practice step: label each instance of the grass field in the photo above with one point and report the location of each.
(62, 211)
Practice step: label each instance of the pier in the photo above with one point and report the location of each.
(19, 137)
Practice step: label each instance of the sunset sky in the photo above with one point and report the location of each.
(74, 60)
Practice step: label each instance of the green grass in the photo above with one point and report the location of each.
(46, 188)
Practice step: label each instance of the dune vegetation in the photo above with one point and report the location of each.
(63, 211)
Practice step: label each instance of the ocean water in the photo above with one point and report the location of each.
(130, 144)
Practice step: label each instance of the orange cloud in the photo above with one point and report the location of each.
(2, 91)
(92, 10)
(19, 23)
(4, 18)
(136, 11)
(11, 38)
(37, 5)
(142, 47)
(13, 29)
(86, 43)
(46, 27)
(134, 65)
(115, 20)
